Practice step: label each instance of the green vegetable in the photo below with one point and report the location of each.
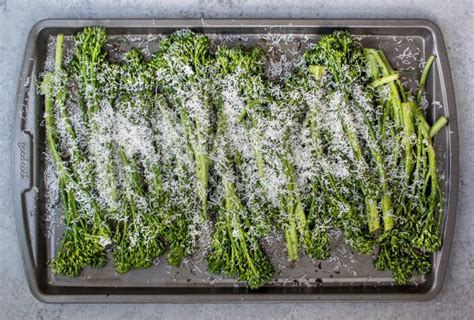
(235, 251)
(346, 64)
(181, 70)
(135, 228)
(86, 235)
(424, 76)
(181, 204)
(138, 225)
(438, 125)
(182, 60)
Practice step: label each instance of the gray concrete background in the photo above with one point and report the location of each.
(454, 17)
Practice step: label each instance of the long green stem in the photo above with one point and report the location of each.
(438, 125)
(424, 77)
(384, 80)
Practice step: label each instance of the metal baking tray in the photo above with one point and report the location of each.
(345, 277)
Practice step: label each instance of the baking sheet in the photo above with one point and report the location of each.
(345, 276)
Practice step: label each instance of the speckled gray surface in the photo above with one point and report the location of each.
(454, 17)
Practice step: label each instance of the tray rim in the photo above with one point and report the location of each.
(21, 218)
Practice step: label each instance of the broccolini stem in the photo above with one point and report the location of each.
(394, 93)
(424, 76)
(369, 192)
(81, 245)
(384, 80)
(58, 58)
(386, 205)
(409, 128)
(438, 125)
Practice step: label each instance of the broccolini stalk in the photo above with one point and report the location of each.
(366, 107)
(262, 117)
(85, 237)
(428, 233)
(81, 166)
(242, 93)
(141, 110)
(295, 224)
(278, 126)
(234, 250)
(368, 189)
(340, 196)
(87, 66)
(181, 71)
(398, 255)
(331, 202)
(326, 184)
(178, 216)
(318, 206)
(345, 63)
(424, 76)
(138, 224)
(317, 201)
(438, 125)
(87, 62)
(137, 233)
(119, 182)
(399, 109)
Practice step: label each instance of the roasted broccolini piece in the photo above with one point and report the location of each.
(235, 251)
(86, 234)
